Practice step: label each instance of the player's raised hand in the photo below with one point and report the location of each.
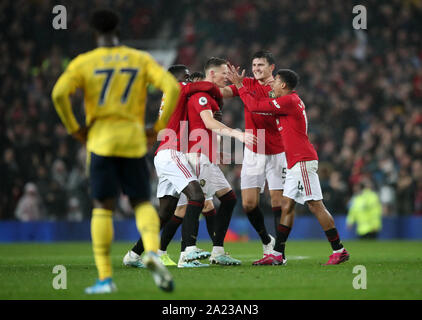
(269, 81)
(234, 76)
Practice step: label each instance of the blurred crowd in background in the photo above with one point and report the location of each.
(362, 90)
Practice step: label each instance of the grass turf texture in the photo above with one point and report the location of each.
(394, 271)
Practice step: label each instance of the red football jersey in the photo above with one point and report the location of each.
(170, 136)
(201, 139)
(292, 115)
(261, 120)
(175, 136)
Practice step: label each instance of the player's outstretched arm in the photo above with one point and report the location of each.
(279, 106)
(223, 130)
(227, 92)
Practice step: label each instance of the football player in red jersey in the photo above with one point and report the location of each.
(267, 160)
(302, 182)
(174, 173)
(202, 156)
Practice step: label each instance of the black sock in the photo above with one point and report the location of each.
(191, 223)
(334, 239)
(256, 219)
(210, 220)
(138, 248)
(282, 235)
(169, 231)
(277, 216)
(224, 215)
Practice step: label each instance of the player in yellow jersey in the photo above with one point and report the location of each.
(114, 79)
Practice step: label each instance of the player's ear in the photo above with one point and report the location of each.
(272, 67)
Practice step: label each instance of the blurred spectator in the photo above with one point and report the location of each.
(59, 173)
(29, 207)
(365, 211)
(74, 213)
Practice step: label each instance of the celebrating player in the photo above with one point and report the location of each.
(302, 182)
(202, 156)
(260, 165)
(114, 79)
(175, 175)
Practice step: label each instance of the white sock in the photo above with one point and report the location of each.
(338, 251)
(216, 251)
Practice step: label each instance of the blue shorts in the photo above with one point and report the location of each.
(110, 175)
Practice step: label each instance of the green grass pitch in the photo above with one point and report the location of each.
(393, 270)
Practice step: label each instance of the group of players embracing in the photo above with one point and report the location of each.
(277, 151)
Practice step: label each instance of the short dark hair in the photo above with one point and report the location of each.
(214, 62)
(290, 77)
(104, 20)
(179, 71)
(266, 55)
(197, 74)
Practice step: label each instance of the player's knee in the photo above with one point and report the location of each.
(313, 205)
(249, 205)
(275, 203)
(180, 211)
(197, 197)
(317, 207)
(167, 207)
(276, 197)
(194, 192)
(287, 207)
(208, 206)
(229, 197)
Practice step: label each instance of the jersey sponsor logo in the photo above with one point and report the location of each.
(276, 104)
(203, 101)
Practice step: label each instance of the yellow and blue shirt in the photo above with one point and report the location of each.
(114, 81)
